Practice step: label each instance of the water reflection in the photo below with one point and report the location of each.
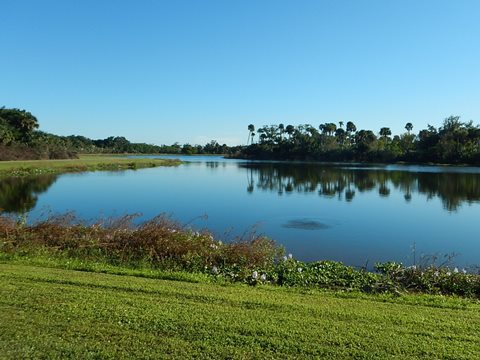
(20, 194)
(454, 189)
(305, 224)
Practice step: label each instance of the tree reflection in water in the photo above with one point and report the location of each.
(20, 194)
(453, 188)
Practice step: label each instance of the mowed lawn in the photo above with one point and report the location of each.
(54, 313)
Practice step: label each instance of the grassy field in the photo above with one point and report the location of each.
(56, 313)
(84, 163)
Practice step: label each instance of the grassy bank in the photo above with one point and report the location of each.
(84, 163)
(52, 313)
(161, 244)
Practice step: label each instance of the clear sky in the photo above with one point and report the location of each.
(191, 71)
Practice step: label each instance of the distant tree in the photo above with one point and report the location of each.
(406, 143)
(454, 142)
(290, 129)
(7, 135)
(351, 128)
(281, 129)
(408, 127)
(340, 134)
(328, 128)
(251, 129)
(188, 149)
(385, 132)
(323, 128)
(364, 139)
(21, 122)
(331, 127)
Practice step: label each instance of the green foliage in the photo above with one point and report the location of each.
(19, 140)
(431, 279)
(161, 243)
(16, 125)
(323, 274)
(455, 142)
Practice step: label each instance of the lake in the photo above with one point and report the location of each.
(351, 213)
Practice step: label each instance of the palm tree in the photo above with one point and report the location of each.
(409, 127)
(351, 128)
(331, 127)
(340, 135)
(281, 129)
(340, 123)
(385, 132)
(251, 134)
(290, 129)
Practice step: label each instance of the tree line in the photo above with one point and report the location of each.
(20, 139)
(454, 142)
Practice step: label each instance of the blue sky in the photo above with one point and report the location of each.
(191, 71)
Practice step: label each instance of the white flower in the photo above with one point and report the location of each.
(464, 271)
(215, 270)
(255, 275)
(455, 270)
(436, 273)
(263, 277)
(290, 256)
(285, 258)
(299, 270)
(448, 273)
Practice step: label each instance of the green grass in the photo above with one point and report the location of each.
(57, 313)
(84, 163)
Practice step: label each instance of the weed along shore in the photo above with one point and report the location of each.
(163, 244)
(83, 163)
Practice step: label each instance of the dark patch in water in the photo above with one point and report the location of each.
(305, 224)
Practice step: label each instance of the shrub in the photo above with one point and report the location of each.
(165, 244)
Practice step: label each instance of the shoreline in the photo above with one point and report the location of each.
(340, 163)
(82, 164)
(166, 245)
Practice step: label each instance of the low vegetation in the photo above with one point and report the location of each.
(163, 244)
(84, 163)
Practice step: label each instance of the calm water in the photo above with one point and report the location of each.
(352, 214)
